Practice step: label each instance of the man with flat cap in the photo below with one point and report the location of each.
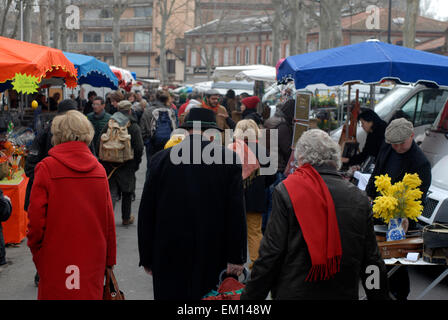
(398, 156)
(187, 238)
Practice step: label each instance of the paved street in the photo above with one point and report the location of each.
(16, 280)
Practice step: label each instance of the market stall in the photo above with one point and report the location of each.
(24, 69)
(92, 71)
(125, 78)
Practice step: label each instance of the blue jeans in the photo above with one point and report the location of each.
(279, 177)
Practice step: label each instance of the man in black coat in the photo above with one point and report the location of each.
(398, 156)
(187, 237)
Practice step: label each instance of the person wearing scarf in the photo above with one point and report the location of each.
(320, 239)
(211, 102)
(248, 149)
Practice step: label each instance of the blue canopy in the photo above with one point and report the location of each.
(92, 71)
(368, 62)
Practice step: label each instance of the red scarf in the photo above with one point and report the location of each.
(206, 106)
(314, 209)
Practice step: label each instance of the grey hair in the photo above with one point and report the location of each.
(317, 148)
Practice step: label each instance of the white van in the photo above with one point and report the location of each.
(419, 103)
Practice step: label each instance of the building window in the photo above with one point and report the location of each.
(138, 61)
(143, 12)
(238, 56)
(142, 40)
(203, 57)
(73, 36)
(92, 14)
(226, 57)
(258, 54)
(109, 60)
(91, 37)
(171, 66)
(216, 57)
(268, 55)
(247, 56)
(193, 58)
(108, 37)
(106, 13)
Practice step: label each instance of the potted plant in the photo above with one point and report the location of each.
(397, 202)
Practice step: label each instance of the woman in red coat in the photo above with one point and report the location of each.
(71, 220)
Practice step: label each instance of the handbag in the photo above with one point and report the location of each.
(228, 289)
(111, 290)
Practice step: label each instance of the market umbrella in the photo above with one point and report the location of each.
(125, 78)
(24, 65)
(93, 71)
(369, 62)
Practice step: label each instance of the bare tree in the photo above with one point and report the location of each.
(209, 36)
(412, 11)
(27, 11)
(330, 32)
(44, 22)
(4, 14)
(56, 24)
(118, 8)
(276, 30)
(166, 9)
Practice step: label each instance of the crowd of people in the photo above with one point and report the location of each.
(309, 234)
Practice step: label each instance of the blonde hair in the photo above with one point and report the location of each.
(71, 126)
(247, 130)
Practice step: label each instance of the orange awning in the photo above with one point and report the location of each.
(19, 57)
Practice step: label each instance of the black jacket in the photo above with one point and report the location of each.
(414, 161)
(5, 209)
(187, 237)
(125, 174)
(285, 133)
(284, 260)
(5, 213)
(373, 144)
(255, 192)
(252, 114)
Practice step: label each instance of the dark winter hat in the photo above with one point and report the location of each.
(66, 105)
(206, 117)
(398, 131)
(230, 94)
(251, 102)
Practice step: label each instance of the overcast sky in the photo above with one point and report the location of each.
(439, 8)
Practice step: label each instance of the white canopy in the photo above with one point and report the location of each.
(229, 73)
(263, 73)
